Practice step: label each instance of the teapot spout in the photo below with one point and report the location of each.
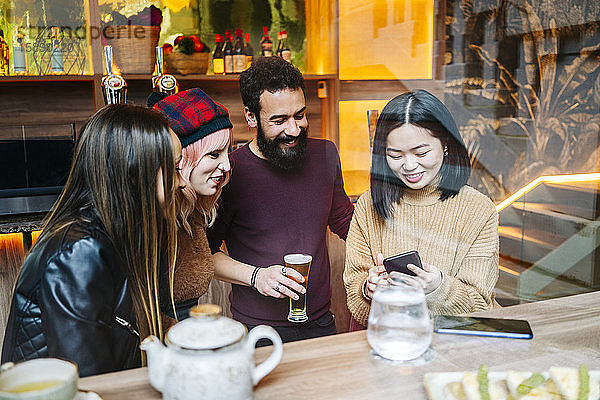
(156, 353)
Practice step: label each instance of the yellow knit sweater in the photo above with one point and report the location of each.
(459, 236)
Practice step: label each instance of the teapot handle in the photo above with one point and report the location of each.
(265, 332)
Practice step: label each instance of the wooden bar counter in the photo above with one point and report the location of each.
(566, 333)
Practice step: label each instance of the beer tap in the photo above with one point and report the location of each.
(162, 82)
(114, 87)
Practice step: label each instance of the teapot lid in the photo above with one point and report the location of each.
(206, 329)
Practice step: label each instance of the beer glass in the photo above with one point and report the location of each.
(301, 263)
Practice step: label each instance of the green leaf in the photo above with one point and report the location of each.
(483, 380)
(530, 383)
(584, 383)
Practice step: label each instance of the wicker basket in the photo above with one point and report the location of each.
(133, 47)
(179, 63)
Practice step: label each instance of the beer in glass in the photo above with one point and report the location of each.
(301, 263)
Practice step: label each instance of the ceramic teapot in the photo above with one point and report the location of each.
(209, 356)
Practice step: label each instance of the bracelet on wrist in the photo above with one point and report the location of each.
(253, 277)
(364, 291)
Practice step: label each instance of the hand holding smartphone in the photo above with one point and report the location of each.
(400, 263)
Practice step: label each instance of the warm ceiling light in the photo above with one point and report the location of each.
(545, 179)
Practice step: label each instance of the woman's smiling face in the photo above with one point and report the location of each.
(414, 155)
(209, 173)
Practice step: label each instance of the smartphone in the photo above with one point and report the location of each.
(479, 326)
(399, 262)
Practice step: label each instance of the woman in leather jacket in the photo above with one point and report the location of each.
(88, 290)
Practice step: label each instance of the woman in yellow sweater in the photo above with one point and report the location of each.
(419, 200)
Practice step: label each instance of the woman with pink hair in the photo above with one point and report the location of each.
(204, 129)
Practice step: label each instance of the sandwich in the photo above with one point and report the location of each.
(558, 383)
(476, 386)
(574, 384)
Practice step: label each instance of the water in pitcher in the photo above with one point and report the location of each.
(399, 325)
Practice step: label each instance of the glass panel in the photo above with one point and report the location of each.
(12, 158)
(321, 37)
(355, 149)
(37, 156)
(394, 39)
(45, 37)
(48, 152)
(522, 82)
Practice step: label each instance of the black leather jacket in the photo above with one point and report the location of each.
(71, 301)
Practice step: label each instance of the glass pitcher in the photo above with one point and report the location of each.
(399, 325)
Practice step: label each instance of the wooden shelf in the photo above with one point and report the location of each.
(135, 77)
(319, 77)
(204, 77)
(352, 90)
(46, 78)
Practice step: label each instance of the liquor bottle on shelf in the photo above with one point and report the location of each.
(4, 60)
(218, 56)
(19, 56)
(285, 51)
(248, 51)
(162, 82)
(278, 51)
(114, 87)
(228, 53)
(239, 58)
(56, 55)
(266, 45)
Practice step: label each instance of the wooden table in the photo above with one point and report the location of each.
(566, 332)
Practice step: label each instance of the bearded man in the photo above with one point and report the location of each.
(285, 190)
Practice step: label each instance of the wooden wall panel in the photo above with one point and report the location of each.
(44, 102)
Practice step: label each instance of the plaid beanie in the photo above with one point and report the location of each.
(193, 115)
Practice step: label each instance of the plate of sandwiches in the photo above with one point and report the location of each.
(556, 383)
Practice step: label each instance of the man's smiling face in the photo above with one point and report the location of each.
(282, 128)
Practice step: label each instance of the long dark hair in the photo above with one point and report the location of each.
(419, 108)
(116, 162)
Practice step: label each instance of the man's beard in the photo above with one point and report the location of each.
(286, 159)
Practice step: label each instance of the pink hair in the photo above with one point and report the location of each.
(191, 156)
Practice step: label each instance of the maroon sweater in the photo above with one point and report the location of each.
(267, 213)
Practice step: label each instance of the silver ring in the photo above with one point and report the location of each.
(283, 271)
(277, 287)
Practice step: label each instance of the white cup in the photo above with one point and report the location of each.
(39, 379)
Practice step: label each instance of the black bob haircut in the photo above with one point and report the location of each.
(271, 74)
(422, 109)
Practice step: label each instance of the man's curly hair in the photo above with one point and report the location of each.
(271, 74)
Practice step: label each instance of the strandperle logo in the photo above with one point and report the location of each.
(80, 32)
